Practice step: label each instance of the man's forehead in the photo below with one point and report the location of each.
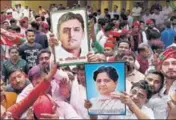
(124, 44)
(127, 56)
(153, 76)
(170, 60)
(16, 73)
(67, 23)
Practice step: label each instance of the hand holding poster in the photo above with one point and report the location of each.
(70, 27)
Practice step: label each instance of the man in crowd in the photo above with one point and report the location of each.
(156, 102)
(168, 68)
(30, 50)
(13, 63)
(40, 37)
(133, 75)
(17, 81)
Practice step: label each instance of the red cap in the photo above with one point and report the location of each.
(136, 23)
(124, 32)
(111, 39)
(168, 53)
(43, 105)
(44, 24)
(149, 21)
(109, 45)
(23, 20)
(114, 33)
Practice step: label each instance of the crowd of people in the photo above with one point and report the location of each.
(34, 87)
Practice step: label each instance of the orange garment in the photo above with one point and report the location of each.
(10, 99)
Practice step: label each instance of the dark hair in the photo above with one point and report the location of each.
(101, 21)
(13, 20)
(43, 51)
(123, 41)
(98, 10)
(128, 53)
(122, 24)
(160, 74)
(106, 9)
(143, 85)
(36, 16)
(13, 47)
(111, 72)
(29, 30)
(35, 25)
(15, 70)
(16, 28)
(43, 18)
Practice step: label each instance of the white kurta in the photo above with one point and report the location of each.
(106, 105)
(129, 114)
(77, 99)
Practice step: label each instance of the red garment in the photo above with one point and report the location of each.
(18, 108)
(168, 53)
(144, 64)
(111, 59)
(109, 45)
(8, 38)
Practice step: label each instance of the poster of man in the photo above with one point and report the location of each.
(70, 27)
(102, 80)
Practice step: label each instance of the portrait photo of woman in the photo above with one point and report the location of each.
(106, 80)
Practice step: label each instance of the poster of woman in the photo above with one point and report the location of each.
(103, 79)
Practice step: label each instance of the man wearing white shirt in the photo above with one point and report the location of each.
(136, 12)
(78, 93)
(156, 102)
(146, 16)
(167, 10)
(158, 16)
(114, 12)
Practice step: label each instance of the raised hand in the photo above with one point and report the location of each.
(87, 104)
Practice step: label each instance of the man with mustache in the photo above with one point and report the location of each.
(155, 80)
(133, 75)
(167, 64)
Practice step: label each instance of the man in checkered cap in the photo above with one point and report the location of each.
(167, 64)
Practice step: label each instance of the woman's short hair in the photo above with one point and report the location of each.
(111, 72)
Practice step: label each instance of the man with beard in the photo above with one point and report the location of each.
(133, 75)
(44, 59)
(168, 68)
(156, 103)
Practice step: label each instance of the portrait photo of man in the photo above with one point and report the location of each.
(71, 32)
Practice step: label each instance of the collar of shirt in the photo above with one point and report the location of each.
(172, 88)
(132, 73)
